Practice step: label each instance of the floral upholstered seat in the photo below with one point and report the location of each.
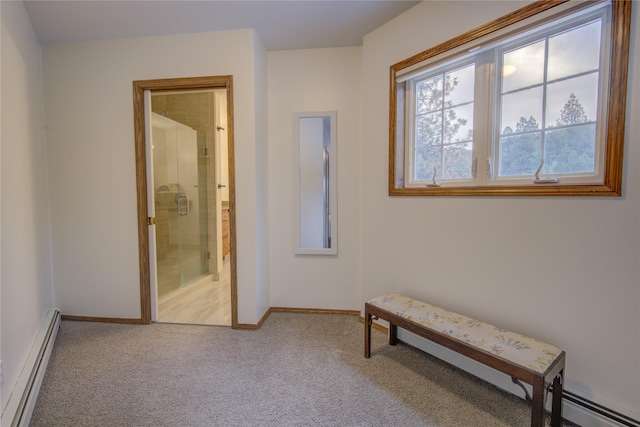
(519, 349)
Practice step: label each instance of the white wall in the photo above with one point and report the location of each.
(25, 247)
(564, 270)
(314, 80)
(89, 115)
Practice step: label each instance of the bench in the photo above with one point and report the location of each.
(524, 359)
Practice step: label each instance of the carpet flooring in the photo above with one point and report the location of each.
(296, 370)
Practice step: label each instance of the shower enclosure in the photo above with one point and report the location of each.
(183, 237)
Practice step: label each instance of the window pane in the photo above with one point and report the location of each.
(460, 86)
(574, 51)
(570, 150)
(523, 67)
(519, 154)
(429, 94)
(459, 124)
(572, 101)
(429, 129)
(521, 111)
(444, 125)
(426, 159)
(457, 161)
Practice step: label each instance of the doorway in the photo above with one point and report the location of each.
(186, 203)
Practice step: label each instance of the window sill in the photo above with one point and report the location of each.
(520, 191)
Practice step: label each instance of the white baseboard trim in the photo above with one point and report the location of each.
(22, 400)
(575, 408)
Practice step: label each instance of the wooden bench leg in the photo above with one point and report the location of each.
(556, 404)
(367, 334)
(538, 403)
(393, 334)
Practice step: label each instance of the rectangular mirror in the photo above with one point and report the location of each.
(315, 183)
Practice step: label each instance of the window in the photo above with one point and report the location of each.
(531, 104)
(442, 105)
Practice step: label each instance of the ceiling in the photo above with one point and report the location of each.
(283, 24)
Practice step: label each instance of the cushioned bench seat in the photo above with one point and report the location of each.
(525, 359)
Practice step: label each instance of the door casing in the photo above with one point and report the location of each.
(189, 83)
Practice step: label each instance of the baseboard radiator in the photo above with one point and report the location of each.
(578, 409)
(20, 406)
(593, 411)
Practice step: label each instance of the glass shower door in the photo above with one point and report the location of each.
(182, 248)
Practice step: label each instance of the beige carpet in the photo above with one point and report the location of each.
(297, 370)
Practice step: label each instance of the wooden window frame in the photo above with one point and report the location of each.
(615, 121)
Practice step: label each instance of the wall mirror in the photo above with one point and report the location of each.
(315, 183)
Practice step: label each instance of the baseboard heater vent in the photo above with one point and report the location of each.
(603, 411)
(575, 408)
(20, 406)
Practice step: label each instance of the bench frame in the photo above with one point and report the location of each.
(539, 381)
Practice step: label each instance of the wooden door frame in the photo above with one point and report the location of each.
(190, 83)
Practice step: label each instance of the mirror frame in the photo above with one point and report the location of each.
(333, 184)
